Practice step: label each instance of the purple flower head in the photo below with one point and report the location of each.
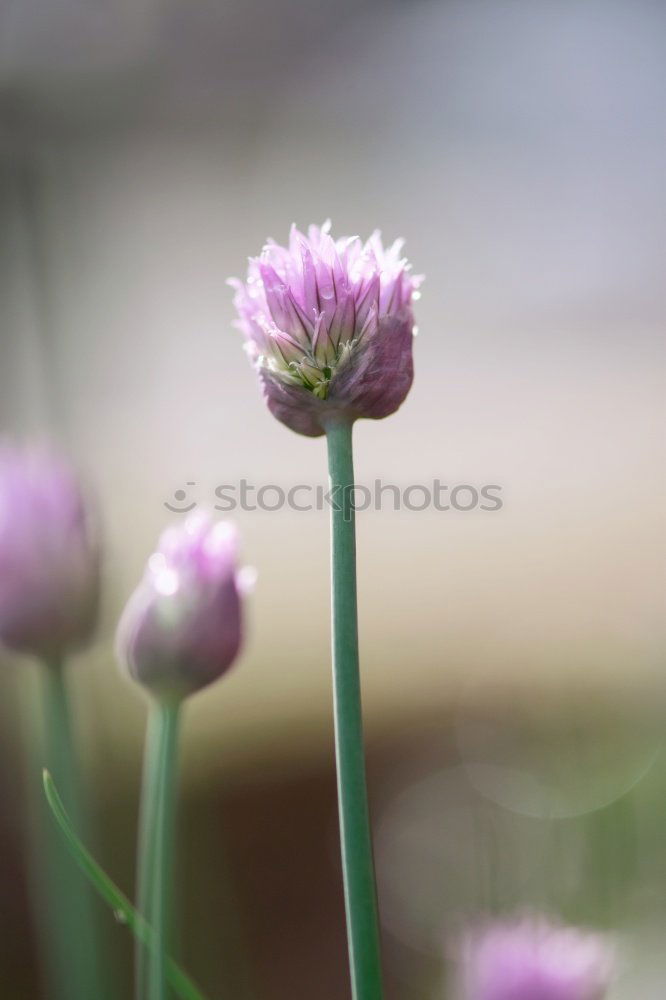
(49, 556)
(533, 959)
(182, 627)
(329, 327)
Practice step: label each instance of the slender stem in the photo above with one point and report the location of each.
(70, 908)
(147, 834)
(156, 846)
(357, 862)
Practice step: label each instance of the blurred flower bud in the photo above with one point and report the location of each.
(49, 556)
(329, 327)
(182, 627)
(533, 959)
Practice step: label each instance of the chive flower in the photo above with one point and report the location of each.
(182, 627)
(329, 327)
(534, 959)
(49, 555)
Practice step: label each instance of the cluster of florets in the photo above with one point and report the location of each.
(329, 326)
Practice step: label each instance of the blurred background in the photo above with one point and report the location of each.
(513, 659)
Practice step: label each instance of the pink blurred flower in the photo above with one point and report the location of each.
(329, 327)
(533, 959)
(49, 556)
(182, 627)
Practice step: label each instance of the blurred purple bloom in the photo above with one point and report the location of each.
(49, 557)
(182, 627)
(329, 327)
(533, 959)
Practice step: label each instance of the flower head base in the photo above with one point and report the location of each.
(533, 959)
(49, 556)
(329, 327)
(182, 627)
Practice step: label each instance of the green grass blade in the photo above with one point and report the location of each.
(111, 894)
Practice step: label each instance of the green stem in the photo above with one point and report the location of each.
(70, 908)
(357, 862)
(147, 826)
(156, 847)
(111, 894)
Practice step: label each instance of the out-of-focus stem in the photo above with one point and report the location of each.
(156, 846)
(355, 835)
(77, 953)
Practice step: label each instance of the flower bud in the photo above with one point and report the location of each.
(533, 959)
(182, 627)
(49, 556)
(329, 327)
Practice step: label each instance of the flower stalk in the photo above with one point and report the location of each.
(355, 834)
(77, 952)
(156, 847)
